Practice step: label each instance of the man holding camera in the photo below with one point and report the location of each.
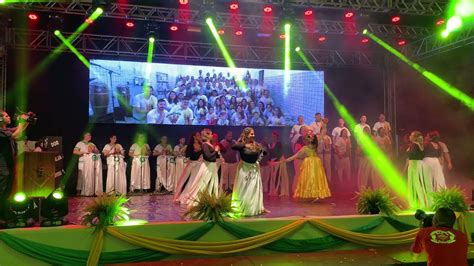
(8, 136)
(443, 244)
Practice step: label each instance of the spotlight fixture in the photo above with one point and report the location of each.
(396, 19)
(130, 24)
(32, 16)
(239, 32)
(18, 211)
(234, 6)
(440, 22)
(54, 208)
(365, 40)
(2, 1)
(365, 31)
(100, 5)
(220, 32)
(183, 2)
(401, 42)
(297, 49)
(151, 39)
(322, 39)
(349, 14)
(174, 28)
(267, 9)
(308, 12)
(55, 22)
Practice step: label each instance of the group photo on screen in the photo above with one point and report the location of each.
(153, 93)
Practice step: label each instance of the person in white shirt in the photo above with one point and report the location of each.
(359, 128)
(382, 123)
(164, 170)
(266, 99)
(179, 153)
(222, 121)
(336, 132)
(342, 156)
(295, 131)
(182, 114)
(140, 176)
(116, 167)
(89, 179)
(144, 103)
(317, 125)
(445, 158)
(229, 162)
(159, 115)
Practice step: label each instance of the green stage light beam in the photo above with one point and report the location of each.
(225, 53)
(72, 48)
(287, 59)
(379, 160)
(439, 82)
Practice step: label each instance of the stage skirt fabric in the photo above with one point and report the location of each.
(279, 183)
(140, 176)
(367, 176)
(266, 174)
(228, 171)
(92, 173)
(419, 185)
(116, 175)
(178, 171)
(432, 167)
(297, 166)
(312, 181)
(206, 179)
(165, 172)
(189, 174)
(247, 196)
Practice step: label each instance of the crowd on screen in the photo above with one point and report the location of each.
(210, 99)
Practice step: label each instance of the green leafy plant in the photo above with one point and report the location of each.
(376, 201)
(210, 208)
(105, 210)
(452, 198)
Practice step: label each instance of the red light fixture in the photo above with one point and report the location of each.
(130, 24)
(395, 19)
(173, 28)
(365, 40)
(234, 6)
(349, 15)
(401, 42)
(183, 2)
(282, 36)
(440, 22)
(268, 9)
(239, 32)
(32, 16)
(220, 32)
(322, 39)
(308, 12)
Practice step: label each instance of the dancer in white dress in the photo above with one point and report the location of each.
(140, 176)
(92, 172)
(164, 167)
(116, 167)
(179, 153)
(207, 178)
(431, 161)
(81, 149)
(419, 183)
(194, 162)
(247, 195)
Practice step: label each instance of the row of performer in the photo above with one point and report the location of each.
(189, 169)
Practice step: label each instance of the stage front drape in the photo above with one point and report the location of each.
(151, 248)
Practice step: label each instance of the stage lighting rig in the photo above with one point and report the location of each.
(56, 22)
(18, 211)
(152, 30)
(54, 208)
(100, 4)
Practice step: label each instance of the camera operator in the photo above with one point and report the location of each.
(8, 136)
(443, 244)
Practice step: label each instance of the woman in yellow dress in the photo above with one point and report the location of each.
(312, 181)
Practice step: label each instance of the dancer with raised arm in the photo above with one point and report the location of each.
(247, 195)
(312, 181)
(116, 167)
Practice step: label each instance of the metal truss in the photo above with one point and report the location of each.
(195, 17)
(434, 44)
(180, 51)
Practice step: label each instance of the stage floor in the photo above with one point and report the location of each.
(160, 208)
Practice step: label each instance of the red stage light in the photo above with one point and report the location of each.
(322, 39)
(395, 19)
(130, 24)
(365, 40)
(221, 32)
(349, 15)
(234, 6)
(32, 16)
(268, 9)
(183, 2)
(308, 12)
(440, 22)
(239, 32)
(174, 28)
(401, 42)
(282, 36)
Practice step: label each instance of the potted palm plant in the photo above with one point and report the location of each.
(375, 202)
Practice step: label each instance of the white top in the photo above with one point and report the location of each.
(223, 122)
(316, 126)
(336, 132)
(137, 151)
(266, 101)
(160, 149)
(341, 146)
(360, 128)
(180, 151)
(143, 104)
(295, 132)
(276, 121)
(443, 147)
(82, 147)
(385, 124)
(155, 117)
(181, 114)
(109, 148)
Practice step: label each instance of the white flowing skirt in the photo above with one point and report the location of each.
(247, 196)
(178, 171)
(140, 176)
(419, 185)
(206, 180)
(190, 172)
(116, 175)
(92, 173)
(165, 170)
(432, 167)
